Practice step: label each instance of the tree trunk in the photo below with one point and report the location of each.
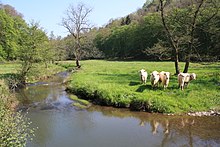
(171, 38)
(77, 63)
(177, 67)
(186, 65)
(177, 62)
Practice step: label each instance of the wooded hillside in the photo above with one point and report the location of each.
(139, 35)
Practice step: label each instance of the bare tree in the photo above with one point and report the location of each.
(77, 23)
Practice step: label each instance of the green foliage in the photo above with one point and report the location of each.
(34, 49)
(138, 35)
(21, 41)
(130, 41)
(10, 72)
(140, 38)
(33, 41)
(14, 127)
(117, 84)
(8, 35)
(57, 48)
(11, 27)
(180, 20)
(39, 71)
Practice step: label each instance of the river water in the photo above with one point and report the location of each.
(59, 124)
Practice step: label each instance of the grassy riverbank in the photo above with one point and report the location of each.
(117, 84)
(38, 72)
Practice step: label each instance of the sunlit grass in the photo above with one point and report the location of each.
(6, 68)
(117, 84)
(38, 71)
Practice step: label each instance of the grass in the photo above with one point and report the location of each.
(10, 70)
(116, 83)
(80, 103)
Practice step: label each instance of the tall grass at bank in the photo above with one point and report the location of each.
(10, 71)
(117, 84)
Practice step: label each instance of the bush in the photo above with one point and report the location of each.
(14, 127)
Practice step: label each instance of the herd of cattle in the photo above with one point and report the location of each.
(163, 78)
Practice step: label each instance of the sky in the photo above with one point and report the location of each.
(49, 13)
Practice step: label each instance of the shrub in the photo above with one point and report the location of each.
(14, 126)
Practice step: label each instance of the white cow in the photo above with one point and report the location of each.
(185, 78)
(154, 78)
(143, 76)
(164, 78)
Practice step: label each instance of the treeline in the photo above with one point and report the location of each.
(139, 35)
(26, 43)
(22, 41)
(30, 43)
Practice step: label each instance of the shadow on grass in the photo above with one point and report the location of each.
(143, 87)
(134, 83)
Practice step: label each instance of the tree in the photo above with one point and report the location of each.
(192, 28)
(182, 20)
(127, 20)
(8, 36)
(57, 47)
(77, 23)
(11, 26)
(89, 50)
(33, 50)
(171, 37)
(11, 11)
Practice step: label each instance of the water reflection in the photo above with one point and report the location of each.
(173, 130)
(105, 126)
(60, 124)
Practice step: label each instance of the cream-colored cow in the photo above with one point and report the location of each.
(143, 76)
(185, 78)
(154, 79)
(164, 78)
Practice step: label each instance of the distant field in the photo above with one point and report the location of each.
(117, 84)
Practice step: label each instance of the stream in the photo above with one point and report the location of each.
(59, 124)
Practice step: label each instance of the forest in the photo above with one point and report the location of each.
(137, 36)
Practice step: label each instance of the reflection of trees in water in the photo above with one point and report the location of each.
(41, 93)
(54, 94)
(32, 94)
(174, 129)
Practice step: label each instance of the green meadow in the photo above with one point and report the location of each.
(117, 83)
